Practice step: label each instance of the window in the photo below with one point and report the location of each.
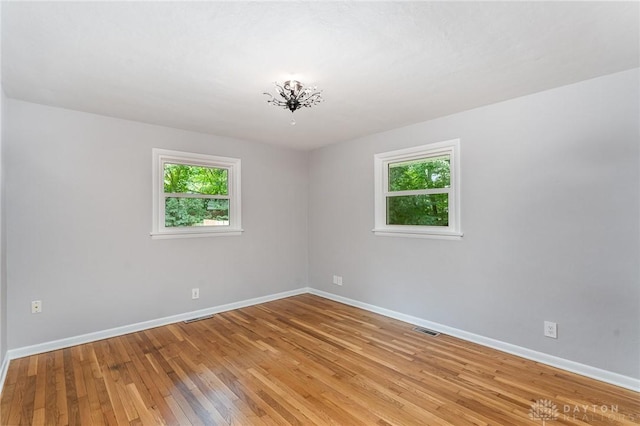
(195, 195)
(417, 191)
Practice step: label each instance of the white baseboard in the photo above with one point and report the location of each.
(3, 370)
(119, 331)
(564, 364)
(554, 361)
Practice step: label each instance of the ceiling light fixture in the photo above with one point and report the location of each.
(292, 95)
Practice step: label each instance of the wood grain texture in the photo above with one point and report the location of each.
(302, 360)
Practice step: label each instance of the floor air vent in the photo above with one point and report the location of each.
(198, 319)
(426, 331)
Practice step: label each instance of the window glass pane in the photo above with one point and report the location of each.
(425, 173)
(425, 210)
(195, 212)
(182, 178)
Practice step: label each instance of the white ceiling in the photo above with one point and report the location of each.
(204, 65)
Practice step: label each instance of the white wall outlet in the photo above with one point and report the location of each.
(551, 329)
(195, 293)
(337, 280)
(36, 306)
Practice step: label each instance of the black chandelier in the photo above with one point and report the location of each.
(293, 96)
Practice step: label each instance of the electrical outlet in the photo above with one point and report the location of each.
(551, 329)
(195, 293)
(36, 306)
(337, 280)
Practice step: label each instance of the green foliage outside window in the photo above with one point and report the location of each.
(420, 209)
(181, 178)
(185, 179)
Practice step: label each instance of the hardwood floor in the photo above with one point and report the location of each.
(301, 360)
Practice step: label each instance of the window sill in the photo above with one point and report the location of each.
(195, 234)
(383, 232)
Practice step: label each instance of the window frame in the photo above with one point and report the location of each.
(381, 184)
(232, 165)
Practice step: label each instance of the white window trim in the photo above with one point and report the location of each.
(162, 156)
(381, 167)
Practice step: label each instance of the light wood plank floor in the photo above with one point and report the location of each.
(302, 360)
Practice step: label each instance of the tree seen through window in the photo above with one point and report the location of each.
(195, 196)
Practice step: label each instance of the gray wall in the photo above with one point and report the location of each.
(3, 234)
(78, 211)
(550, 212)
(3, 237)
